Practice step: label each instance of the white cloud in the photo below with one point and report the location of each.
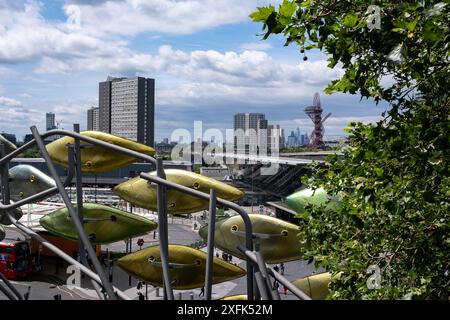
(130, 17)
(8, 102)
(260, 46)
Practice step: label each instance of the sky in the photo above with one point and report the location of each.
(206, 56)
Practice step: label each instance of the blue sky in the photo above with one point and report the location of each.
(206, 56)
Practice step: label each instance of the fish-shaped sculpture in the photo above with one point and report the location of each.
(143, 194)
(300, 199)
(187, 267)
(96, 159)
(9, 146)
(102, 224)
(315, 286)
(26, 180)
(277, 238)
(4, 219)
(235, 297)
(2, 232)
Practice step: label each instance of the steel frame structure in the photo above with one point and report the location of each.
(258, 272)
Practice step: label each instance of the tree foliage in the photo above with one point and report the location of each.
(394, 177)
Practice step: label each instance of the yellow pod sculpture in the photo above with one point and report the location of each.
(235, 297)
(277, 238)
(102, 224)
(96, 159)
(143, 194)
(187, 267)
(315, 286)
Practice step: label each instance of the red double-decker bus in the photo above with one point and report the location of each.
(15, 259)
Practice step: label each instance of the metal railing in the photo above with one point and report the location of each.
(256, 268)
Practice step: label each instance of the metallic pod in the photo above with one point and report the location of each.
(318, 197)
(277, 238)
(102, 224)
(26, 180)
(315, 286)
(95, 159)
(143, 194)
(187, 267)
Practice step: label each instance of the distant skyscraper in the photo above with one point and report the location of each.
(28, 137)
(93, 119)
(50, 121)
(127, 107)
(250, 132)
(275, 138)
(291, 140)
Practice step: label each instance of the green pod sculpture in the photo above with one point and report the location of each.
(2, 232)
(300, 199)
(315, 286)
(187, 267)
(25, 181)
(102, 224)
(9, 146)
(143, 194)
(4, 219)
(277, 238)
(96, 159)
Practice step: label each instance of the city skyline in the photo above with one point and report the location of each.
(207, 70)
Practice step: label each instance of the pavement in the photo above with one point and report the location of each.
(52, 280)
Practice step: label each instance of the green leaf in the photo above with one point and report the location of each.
(350, 20)
(287, 8)
(262, 14)
(412, 25)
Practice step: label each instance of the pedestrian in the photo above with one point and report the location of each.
(231, 258)
(276, 285)
(276, 268)
(282, 268)
(202, 292)
(217, 254)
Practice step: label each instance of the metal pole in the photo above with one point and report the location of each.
(81, 233)
(7, 293)
(296, 291)
(262, 268)
(4, 172)
(261, 286)
(210, 251)
(163, 232)
(10, 286)
(79, 189)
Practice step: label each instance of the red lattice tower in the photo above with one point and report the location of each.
(314, 112)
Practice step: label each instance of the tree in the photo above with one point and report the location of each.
(394, 177)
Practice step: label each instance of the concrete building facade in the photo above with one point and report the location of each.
(127, 108)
